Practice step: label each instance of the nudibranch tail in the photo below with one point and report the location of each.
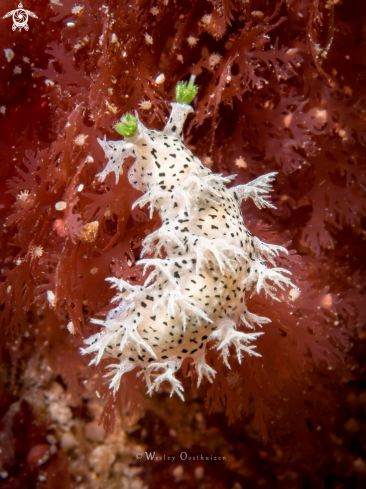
(197, 292)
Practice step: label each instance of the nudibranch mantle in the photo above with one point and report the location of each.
(196, 293)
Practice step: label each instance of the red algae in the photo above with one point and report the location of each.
(281, 89)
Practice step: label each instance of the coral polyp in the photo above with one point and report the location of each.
(203, 261)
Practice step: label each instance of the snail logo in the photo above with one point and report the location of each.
(20, 17)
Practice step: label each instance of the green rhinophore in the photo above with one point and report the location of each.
(128, 126)
(185, 93)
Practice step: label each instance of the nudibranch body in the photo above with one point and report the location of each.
(195, 294)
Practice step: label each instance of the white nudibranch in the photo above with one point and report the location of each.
(196, 294)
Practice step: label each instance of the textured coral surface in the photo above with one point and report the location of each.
(281, 89)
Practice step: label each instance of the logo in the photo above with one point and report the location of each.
(20, 17)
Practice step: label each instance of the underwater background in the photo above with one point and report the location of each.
(282, 88)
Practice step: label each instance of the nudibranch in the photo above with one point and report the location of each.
(195, 294)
